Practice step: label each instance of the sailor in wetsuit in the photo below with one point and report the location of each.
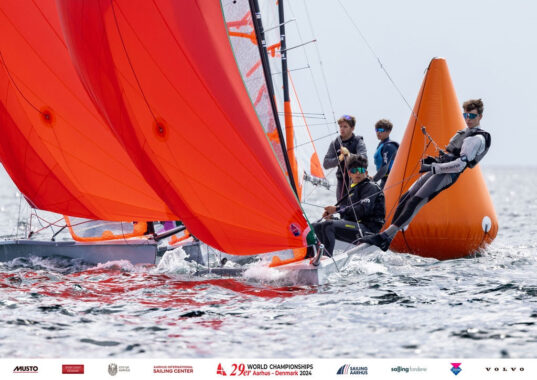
(347, 143)
(386, 151)
(362, 211)
(464, 150)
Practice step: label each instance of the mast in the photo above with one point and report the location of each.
(260, 35)
(289, 129)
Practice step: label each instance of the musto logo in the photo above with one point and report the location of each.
(456, 368)
(26, 369)
(348, 369)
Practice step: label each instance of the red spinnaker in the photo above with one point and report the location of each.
(164, 76)
(55, 146)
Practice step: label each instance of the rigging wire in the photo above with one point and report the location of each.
(353, 23)
(391, 80)
(325, 81)
(304, 115)
(317, 139)
(306, 56)
(19, 217)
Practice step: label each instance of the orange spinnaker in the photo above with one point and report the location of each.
(451, 225)
(164, 75)
(55, 145)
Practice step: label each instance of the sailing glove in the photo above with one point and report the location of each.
(429, 160)
(427, 168)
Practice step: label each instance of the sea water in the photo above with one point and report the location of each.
(382, 305)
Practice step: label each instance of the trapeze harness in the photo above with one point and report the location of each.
(465, 149)
(353, 144)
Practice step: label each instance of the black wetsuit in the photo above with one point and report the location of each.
(362, 212)
(465, 149)
(384, 158)
(444, 172)
(355, 145)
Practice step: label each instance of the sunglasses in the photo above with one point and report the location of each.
(380, 130)
(347, 117)
(468, 115)
(357, 170)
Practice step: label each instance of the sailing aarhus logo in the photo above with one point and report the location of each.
(26, 369)
(348, 369)
(456, 369)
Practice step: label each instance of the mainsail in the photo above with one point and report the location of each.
(302, 153)
(302, 156)
(165, 77)
(55, 146)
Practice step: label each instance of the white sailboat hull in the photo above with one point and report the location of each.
(136, 251)
(305, 273)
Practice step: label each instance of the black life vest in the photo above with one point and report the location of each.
(455, 144)
(352, 145)
(366, 191)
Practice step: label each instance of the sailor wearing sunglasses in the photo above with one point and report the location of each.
(386, 151)
(464, 150)
(362, 211)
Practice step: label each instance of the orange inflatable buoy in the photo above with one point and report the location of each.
(461, 219)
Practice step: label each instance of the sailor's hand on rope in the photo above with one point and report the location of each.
(429, 160)
(328, 211)
(344, 152)
(425, 167)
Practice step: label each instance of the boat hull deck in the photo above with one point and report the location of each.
(135, 251)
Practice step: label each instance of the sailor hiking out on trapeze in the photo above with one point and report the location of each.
(464, 150)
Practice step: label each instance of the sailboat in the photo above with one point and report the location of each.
(166, 76)
(184, 91)
(46, 115)
(59, 151)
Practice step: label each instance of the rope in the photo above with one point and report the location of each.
(17, 87)
(377, 58)
(406, 242)
(19, 217)
(325, 81)
(317, 92)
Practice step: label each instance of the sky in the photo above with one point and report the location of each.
(490, 47)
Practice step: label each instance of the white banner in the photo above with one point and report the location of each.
(220, 369)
